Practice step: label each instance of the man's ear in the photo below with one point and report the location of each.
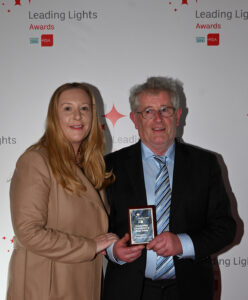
(178, 115)
(133, 117)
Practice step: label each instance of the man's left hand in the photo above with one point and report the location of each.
(166, 244)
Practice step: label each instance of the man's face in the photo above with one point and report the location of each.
(157, 133)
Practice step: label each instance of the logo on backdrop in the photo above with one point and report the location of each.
(38, 25)
(7, 140)
(119, 141)
(18, 2)
(47, 40)
(180, 4)
(113, 115)
(7, 242)
(11, 5)
(208, 20)
(213, 39)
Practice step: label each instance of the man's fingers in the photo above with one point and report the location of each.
(151, 244)
(125, 239)
(129, 257)
(166, 244)
(133, 250)
(136, 248)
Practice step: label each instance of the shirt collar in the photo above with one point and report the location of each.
(147, 153)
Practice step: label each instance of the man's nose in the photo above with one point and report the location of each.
(157, 116)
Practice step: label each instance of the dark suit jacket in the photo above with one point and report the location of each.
(199, 207)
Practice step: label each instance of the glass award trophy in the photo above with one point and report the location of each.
(142, 224)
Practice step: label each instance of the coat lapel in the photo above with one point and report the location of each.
(135, 175)
(181, 186)
(96, 198)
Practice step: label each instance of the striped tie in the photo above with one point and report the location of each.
(165, 265)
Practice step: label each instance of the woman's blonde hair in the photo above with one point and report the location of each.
(60, 152)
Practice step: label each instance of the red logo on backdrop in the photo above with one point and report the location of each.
(186, 1)
(182, 2)
(113, 115)
(7, 239)
(46, 40)
(213, 39)
(18, 2)
(8, 5)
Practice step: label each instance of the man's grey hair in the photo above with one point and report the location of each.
(155, 85)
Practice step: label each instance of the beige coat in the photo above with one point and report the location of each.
(54, 255)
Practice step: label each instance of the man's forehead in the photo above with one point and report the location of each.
(154, 98)
(155, 92)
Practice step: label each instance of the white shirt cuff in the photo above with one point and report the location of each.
(110, 254)
(187, 245)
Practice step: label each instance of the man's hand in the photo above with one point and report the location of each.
(166, 244)
(125, 253)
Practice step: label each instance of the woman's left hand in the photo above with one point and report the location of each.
(103, 241)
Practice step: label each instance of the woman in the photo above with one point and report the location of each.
(57, 205)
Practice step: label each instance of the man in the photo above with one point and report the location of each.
(196, 218)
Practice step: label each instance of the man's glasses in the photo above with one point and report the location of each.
(164, 111)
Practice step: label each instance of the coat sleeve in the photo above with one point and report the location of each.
(219, 227)
(29, 200)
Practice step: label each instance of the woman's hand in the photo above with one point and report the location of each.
(103, 241)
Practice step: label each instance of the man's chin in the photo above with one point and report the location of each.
(160, 141)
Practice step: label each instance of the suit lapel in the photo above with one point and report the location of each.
(181, 185)
(134, 171)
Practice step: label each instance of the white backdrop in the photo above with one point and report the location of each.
(114, 44)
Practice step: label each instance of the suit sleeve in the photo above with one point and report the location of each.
(29, 201)
(219, 226)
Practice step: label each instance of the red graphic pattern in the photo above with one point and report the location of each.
(186, 1)
(6, 239)
(183, 2)
(18, 2)
(113, 115)
(213, 39)
(14, 3)
(46, 40)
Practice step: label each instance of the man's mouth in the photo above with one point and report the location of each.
(158, 129)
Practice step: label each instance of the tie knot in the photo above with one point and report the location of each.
(161, 160)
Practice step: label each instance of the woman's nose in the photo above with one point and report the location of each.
(77, 114)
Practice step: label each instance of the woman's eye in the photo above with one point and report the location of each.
(84, 108)
(67, 108)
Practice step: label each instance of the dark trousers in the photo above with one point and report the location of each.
(160, 290)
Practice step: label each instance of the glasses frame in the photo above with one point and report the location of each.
(171, 108)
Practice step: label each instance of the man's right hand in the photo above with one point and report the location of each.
(125, 253)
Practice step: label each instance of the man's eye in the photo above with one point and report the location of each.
(148, 111)
(163, 109)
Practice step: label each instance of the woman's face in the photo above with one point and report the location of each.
(75, 115)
